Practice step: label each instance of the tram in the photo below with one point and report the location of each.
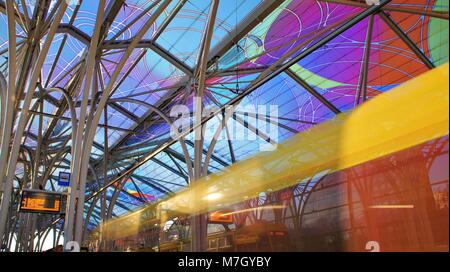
(375, 179)
(258, 237)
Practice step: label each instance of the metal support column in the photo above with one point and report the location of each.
(9, 98)
(199, 222)
(77, 142)
(32, 83)
(89, 134)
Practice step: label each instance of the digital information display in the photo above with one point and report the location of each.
(40, 202)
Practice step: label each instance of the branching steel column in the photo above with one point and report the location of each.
(63, 44)
(90, 134)
(3, 91)
(24, 116)
(348, 24)
(262, 76)
(9, 99)
(201, 73)
(225, 117)
(71, 212)
(73, 119)
(167, 120)
(256, 17)
(199, 222)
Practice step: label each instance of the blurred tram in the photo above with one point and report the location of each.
(391, 195)
(399, 201)
(258, 237)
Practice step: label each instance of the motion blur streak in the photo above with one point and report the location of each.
(271, 207)
(410, 115)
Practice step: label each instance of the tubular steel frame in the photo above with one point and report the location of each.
(25, 62)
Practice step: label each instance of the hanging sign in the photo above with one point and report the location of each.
(64, 179)
(40, 201)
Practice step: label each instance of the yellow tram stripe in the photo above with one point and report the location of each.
(411, 114)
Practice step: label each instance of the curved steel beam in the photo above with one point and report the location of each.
(70, 103)
(74, 121)
(330, 36)
(9, 99)
(169, 122)
(3, 97)
(24, 116)
(93, 204)
(75, 208)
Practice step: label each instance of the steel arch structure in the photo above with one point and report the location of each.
(121, 67)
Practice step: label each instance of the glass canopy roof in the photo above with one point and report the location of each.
(248, 37)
